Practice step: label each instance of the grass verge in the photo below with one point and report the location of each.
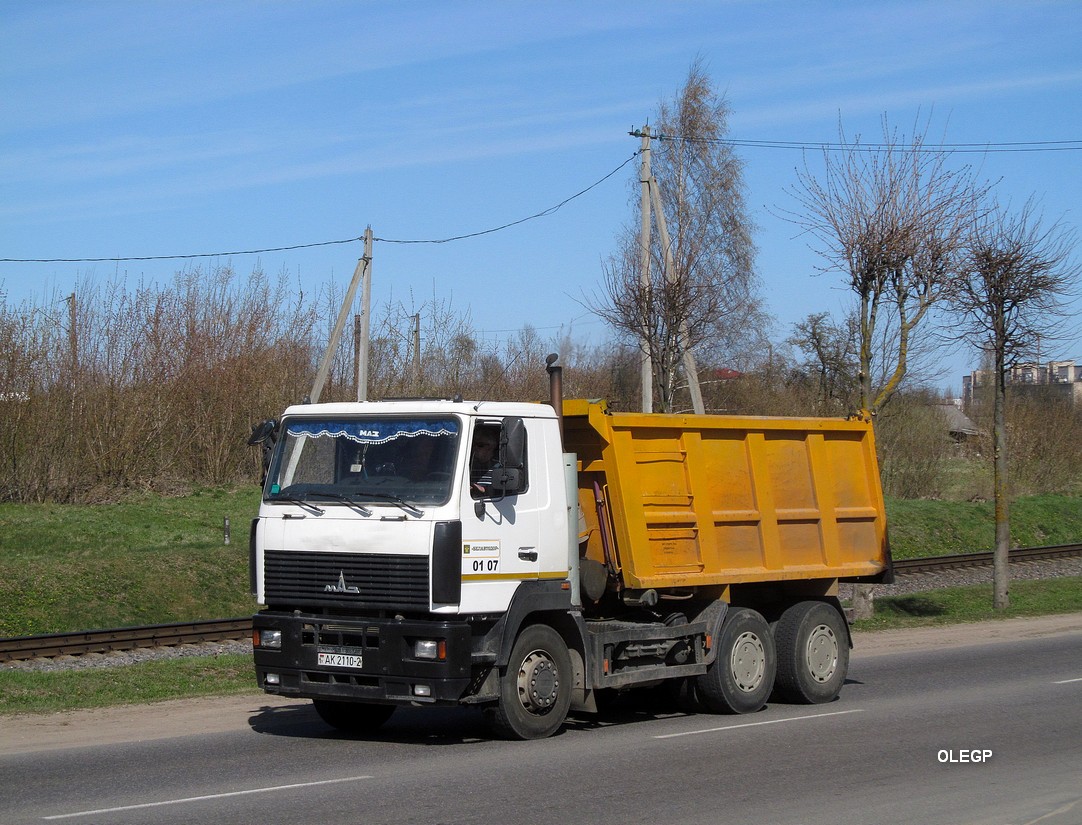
(230, 674)
(191, 677)
(921, 528)
(147, 560)
(973, 603)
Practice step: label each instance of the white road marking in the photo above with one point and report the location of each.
(755, 724)
(208, 796)
(1061, 810)
(1067, 681)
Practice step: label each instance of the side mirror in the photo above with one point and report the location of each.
(513, 444)
(510, 476)
(264, 431)
(264, 435)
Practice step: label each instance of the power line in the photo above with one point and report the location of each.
(173, 257)
(828, 146)
(541, 214)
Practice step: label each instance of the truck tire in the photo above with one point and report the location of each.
(535, 690)
(813, 653)
(742, 676)
(353, 717)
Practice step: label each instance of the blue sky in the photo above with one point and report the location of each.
(132, 129)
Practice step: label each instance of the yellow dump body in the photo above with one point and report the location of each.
(697, 500)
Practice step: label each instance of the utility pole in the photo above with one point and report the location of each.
(416, 353)
(646, 369)
(362, 272)
(690, 370)
(366, 319)
(357, 354)
(651, 195)
(73, 346)
(73, 338)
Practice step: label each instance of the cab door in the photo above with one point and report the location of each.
(502, 513)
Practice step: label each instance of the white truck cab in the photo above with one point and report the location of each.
(391, 545)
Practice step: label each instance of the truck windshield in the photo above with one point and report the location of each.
(395, 461)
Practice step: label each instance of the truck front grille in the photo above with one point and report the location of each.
(352, 580)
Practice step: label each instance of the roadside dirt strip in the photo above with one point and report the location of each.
(26, 733)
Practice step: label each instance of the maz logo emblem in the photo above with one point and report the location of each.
(341, 586)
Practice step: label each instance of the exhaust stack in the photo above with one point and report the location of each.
(556, 389)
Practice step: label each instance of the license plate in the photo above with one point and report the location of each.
(326, 658)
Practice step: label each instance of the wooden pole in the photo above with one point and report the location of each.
(417, 354)
(336, 334)
(366, 319)
(646, 366)
(690, 369)
(357, 355)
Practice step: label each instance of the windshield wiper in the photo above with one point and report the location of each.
(307, 505)
(360, 508)
(401, 502)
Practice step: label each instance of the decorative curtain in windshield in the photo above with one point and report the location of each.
(372, 432)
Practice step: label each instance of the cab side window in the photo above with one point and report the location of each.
(496, 468)
(484, 458)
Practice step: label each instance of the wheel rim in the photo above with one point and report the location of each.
(538, 683)
(748, 662)
(822, 653)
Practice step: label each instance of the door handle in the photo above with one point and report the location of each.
(527, 555)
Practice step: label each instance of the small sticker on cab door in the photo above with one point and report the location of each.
(480, 557)
(481, 548)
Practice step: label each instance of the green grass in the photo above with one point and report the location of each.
(937, 528)
(974, 604)
(187, 678)
(149, 560)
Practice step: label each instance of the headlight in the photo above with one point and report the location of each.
(430, 649)
(270, 638)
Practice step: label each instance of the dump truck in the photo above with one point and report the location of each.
(534, 559)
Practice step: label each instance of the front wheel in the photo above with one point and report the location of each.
(813, 653)
(535, 690)
(742, 675)
(353, 717)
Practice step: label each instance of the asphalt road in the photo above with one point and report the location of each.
(978, 734)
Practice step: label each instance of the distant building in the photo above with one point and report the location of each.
(1054, 379)
(959, 425)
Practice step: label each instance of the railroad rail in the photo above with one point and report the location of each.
(180, 633)
(1018, 555)
(123, 638)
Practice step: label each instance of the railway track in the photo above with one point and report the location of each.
(181, 633)
(123, 638)
(1018, 555)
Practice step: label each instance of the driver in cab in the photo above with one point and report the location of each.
(483, 459)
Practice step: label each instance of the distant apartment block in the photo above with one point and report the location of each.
(1053, 380)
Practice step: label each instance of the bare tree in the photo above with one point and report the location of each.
(891, 217)
(831, 355)
(711, 274)
(1009, 298)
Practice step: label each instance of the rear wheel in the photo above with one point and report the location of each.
(535, 690)
(813, 653)
(353, 717)
(742, 676)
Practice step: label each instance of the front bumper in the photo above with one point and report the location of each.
(380, 652)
